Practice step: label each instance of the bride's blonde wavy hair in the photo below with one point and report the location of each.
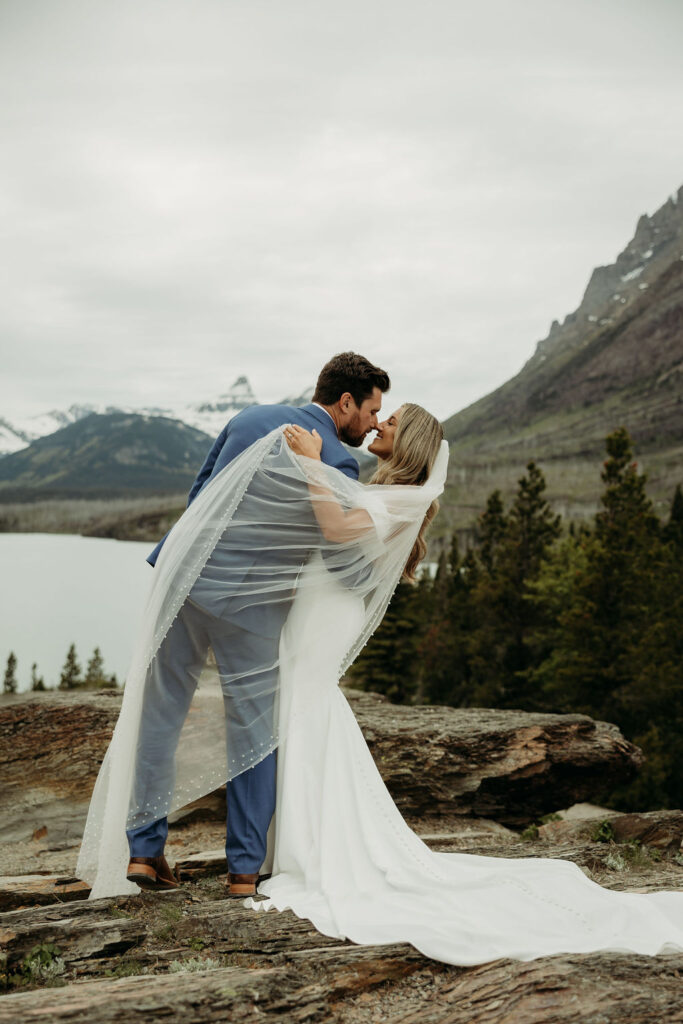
(417, 441)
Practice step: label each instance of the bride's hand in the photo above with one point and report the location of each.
(302, 442)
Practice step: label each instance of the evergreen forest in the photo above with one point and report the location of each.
(541, 618)
(71, 677)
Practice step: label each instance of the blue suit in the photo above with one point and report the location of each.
(232, 635)
(257, 421)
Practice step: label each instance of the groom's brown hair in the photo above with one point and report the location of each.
(349, 372)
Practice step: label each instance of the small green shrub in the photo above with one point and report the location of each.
(614, 861)
(603, 832)
(638, 856)
(42, 966)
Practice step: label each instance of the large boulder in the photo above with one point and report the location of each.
(51, 747)
(509, 766)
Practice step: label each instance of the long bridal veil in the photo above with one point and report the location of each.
(255, 611)
(202, 696)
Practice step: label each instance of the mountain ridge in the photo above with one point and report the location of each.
(110, 455)
(209, 416)
(617, 360)
(106, 455)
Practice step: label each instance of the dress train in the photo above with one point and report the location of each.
(345, 859)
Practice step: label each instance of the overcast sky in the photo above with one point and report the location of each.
(194, 190)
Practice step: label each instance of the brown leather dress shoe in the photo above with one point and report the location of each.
(151, 873)
(241, 885)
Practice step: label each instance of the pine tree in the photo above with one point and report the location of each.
(70, 678)
(37, 682)
(444, 649)
(532, 529)
(627, 514)
(10, 683)
(612, 596)
(650, 702)
(612, 645)
(513, 548)
(621, 580)
(673, 531)
(555, 592)
(95, 677)
(650, 699)
(389, 664)
(491, 531)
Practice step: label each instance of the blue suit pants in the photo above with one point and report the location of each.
(169, 688)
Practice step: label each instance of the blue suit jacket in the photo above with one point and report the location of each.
(257, 421)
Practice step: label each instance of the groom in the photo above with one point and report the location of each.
(347, 399)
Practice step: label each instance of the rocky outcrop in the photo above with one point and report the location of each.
(192, 954)
(658, 830)
(510, 766)
(51, 747)
(557, 990)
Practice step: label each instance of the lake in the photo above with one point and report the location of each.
(60, 589)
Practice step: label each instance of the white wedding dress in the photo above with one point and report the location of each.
(345, 859)
(249, 550)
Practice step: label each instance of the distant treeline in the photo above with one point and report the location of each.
(136, 518)
(71, 676)
(587, 620)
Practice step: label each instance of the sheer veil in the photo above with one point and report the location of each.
(208, 660)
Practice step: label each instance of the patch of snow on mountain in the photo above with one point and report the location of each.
(632, 274)
(305, 398)
(208, 416)
(11, 439)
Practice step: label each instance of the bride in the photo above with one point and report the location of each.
(341, 854)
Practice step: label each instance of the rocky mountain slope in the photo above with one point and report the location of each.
(115, 454)
(106, 455)
(209, 417)
(618, 359)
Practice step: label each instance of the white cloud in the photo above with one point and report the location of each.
(195, 190)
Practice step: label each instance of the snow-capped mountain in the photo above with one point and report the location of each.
(12, 438)
(297, 401)
(210, 417)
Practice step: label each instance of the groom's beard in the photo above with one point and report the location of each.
(351, 433)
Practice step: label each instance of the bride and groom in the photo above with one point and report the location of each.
(265, 591)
